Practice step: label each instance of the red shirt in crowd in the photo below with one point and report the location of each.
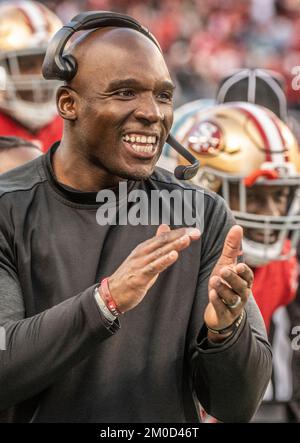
(47, 135)
(275, 285)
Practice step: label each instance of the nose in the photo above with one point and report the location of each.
(148, 110)
(272, 208)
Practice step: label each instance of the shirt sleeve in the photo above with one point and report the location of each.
(47, 344)
(229, 379)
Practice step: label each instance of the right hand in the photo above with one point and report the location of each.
(137, 274)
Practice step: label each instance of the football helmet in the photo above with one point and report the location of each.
(25, 30)
(261, 86)
(240, 145)
(168, 158)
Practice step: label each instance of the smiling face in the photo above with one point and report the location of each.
(120, 102)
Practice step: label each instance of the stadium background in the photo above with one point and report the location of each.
(204, 40)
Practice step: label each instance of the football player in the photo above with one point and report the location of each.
(27, 101)
(250, 157)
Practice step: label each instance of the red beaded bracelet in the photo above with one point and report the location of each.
(107, 298)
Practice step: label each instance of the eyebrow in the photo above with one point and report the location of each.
(133, 83)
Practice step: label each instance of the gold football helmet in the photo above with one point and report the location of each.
(241, 145)
(25, 30)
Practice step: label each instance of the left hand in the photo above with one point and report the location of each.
(229, 282)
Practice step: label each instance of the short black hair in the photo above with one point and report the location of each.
(7, 142)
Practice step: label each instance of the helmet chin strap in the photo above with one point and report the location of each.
(33, 116)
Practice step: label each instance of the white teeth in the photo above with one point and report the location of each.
(140, 148)
(142, 139)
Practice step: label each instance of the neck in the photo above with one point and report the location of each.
(73, 169)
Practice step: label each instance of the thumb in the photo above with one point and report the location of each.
(162, 228)
(232, 246)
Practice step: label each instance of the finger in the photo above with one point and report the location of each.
(221, 310)
(164, 238)
(227, 295)
(236, 282)
(245, 272)
(219, 316)
(232, 246)
(177, 245)
(163, 228)
(156, 267)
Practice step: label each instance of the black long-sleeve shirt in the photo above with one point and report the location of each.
(65, 362)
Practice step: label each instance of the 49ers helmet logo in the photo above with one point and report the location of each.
(205, 138)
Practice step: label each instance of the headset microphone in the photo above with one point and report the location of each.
(184, 172)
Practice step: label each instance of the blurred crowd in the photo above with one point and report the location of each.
(205, 40)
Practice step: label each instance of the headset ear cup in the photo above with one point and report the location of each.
(70, 66)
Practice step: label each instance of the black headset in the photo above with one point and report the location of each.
(61, 66)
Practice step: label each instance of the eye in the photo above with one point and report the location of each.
(125, 93)
(165, 96)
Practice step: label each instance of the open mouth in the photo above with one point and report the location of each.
(141, 145)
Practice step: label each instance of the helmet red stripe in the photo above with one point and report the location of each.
(260, 130)
(27, 18)
(285, 153)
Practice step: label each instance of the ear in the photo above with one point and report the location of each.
(67, 103)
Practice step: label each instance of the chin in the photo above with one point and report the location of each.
(138, 174)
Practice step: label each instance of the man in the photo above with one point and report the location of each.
(252, 159)
(84, 362)
(268, 88)
(27, 101)
(15, 152)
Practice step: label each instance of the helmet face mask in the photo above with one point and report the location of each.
(254, 166)
(24, 77)
(27, 97)
(266, 228)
